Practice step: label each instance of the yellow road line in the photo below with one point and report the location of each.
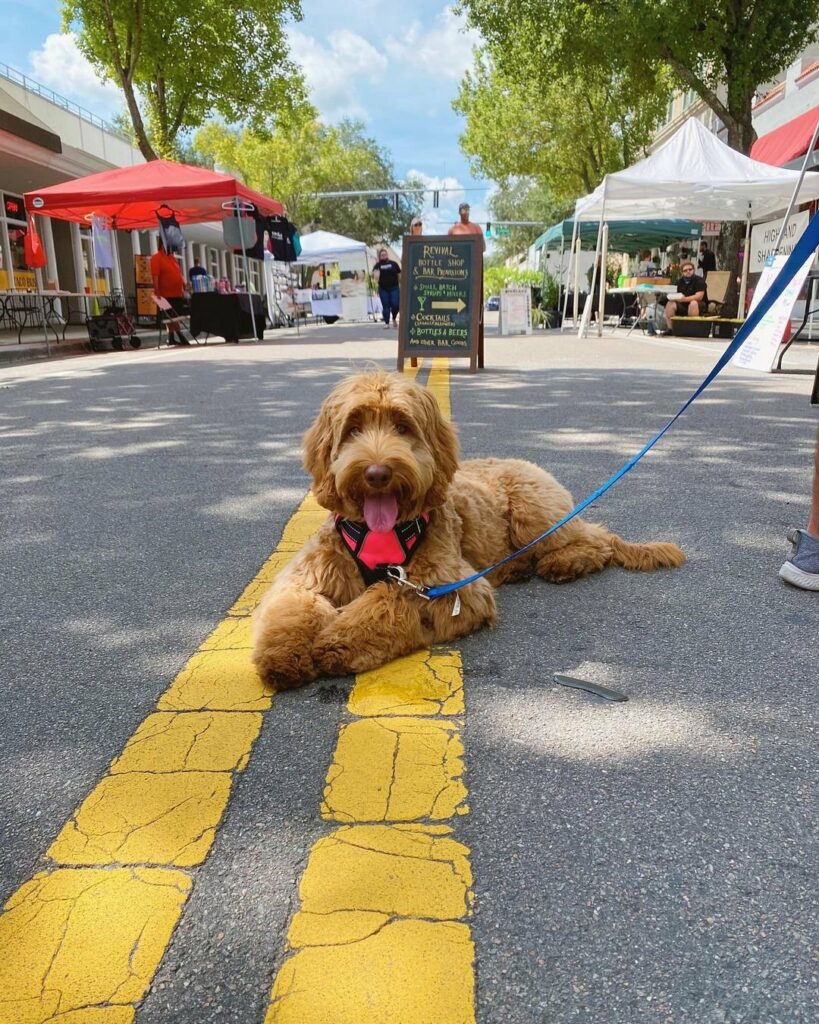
(81, 940)
(380, 935)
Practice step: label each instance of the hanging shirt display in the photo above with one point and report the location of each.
(170, 231)
(103, 242)
(284, 241)
(244, 234)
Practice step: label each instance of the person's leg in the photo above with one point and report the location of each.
(670, 309)
(802, 567)
(693, 308)
(384, 296)
(395, 298)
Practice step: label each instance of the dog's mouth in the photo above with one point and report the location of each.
(380, 512)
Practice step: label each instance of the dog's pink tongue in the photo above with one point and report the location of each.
(380, 512)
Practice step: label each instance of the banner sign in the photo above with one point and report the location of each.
(760, 347)
(763, 239)
(441, 296)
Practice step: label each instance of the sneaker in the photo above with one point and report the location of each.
(802, 568)
(386, 326)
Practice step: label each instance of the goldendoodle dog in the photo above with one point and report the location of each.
(384, 462)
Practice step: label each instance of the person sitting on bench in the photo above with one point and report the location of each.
(691, 290)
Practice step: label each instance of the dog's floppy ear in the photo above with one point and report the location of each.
(318, 448)
(443, 441)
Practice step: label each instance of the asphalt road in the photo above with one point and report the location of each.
(640, 863)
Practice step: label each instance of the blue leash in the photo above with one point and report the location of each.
(804, 247)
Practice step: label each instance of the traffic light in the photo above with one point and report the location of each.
(396, 201)
(435, 199)
(488, 229)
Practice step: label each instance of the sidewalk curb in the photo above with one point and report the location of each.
(31, 354)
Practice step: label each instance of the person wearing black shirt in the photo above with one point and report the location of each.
(388, 291)
(691, 290)
(707, 260)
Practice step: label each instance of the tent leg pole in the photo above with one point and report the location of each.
(602, 294)
(746, 259)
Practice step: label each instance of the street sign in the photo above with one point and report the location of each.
(501, 231)
(441, 287)
(379, 204)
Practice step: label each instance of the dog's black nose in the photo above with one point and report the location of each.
(378, 475)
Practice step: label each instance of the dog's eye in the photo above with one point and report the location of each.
(354, 432)
(401, 428)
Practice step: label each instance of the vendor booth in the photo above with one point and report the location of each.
(129, 198)
(692, 175)
(339, 285)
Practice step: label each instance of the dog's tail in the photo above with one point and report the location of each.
(661, 554)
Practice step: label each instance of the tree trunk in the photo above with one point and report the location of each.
(741, 136)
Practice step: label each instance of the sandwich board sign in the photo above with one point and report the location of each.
(441, 298)
(515, 311)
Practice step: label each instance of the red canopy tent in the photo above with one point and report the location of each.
(130, 196)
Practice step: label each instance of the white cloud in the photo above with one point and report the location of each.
(443, 50)
(336, 71)
(59, 65)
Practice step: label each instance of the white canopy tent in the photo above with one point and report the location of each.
(328, 247)
(694, 175)
(354, 259)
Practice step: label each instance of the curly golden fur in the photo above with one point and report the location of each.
(320, 619)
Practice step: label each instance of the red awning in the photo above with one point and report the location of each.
(131, 195)
(787, 142)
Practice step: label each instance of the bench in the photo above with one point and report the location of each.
(703, 326)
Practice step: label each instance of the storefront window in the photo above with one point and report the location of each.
(16, 275)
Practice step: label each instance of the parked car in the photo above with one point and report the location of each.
(493, 303)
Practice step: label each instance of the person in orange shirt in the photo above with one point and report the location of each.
(464, 226)
(170, 284)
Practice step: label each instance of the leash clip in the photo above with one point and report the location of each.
(398, 574)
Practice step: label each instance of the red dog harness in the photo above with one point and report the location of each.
(373, 552)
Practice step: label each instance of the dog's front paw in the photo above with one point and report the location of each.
(285, 666)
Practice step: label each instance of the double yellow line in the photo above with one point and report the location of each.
(380, 935)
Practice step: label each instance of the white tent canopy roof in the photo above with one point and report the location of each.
(327, 247)
(694, 175)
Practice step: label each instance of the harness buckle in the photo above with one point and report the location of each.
(398, 574)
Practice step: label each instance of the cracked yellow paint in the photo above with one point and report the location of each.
(409, 972)
(402, 871)
(333, 929)
(217, 681)
(424, 683)
(206, 741)
(81, 947)
(395, 769)
(438, 384)
(145, 818)
(300, 528)
(232, 634)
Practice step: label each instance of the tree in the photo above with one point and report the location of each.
(177, 62)
(725, 51)
(304, 157)
(563, 128)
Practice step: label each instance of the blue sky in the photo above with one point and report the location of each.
(395, 67)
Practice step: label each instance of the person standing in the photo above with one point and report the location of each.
(416, 226)
(707, 260)
(802, 567)
(170, 284)
(464, 226)
(197, 270)
(388, 272)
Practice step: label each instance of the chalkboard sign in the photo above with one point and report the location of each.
(441, 298)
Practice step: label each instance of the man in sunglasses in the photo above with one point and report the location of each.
(690, 297)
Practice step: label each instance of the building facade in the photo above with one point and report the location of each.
(46, 139)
